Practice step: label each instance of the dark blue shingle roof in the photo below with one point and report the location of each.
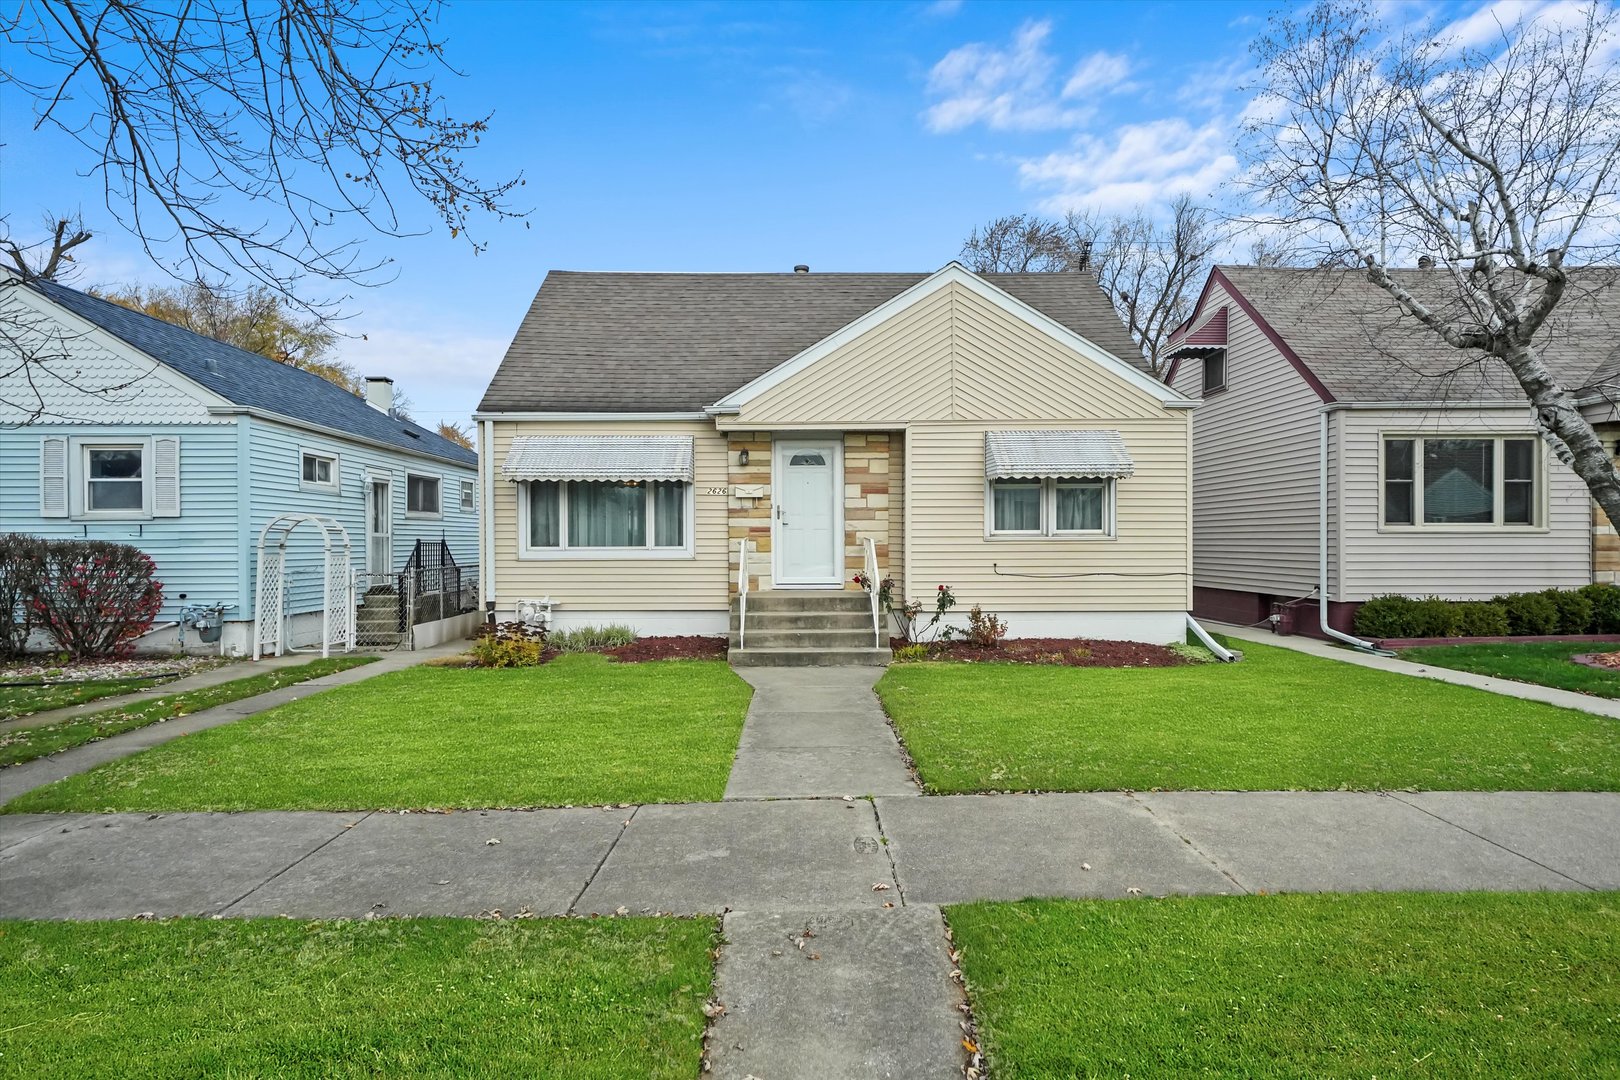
(253, 381)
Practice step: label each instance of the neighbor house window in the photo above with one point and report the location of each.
(1076, 506)
(607, 516)
(1214, 373)
(115, 480)
(1460, 482)
(319, 471)
(467, 495)
(421, 495)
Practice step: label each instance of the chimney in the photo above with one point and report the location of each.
(1425, 262)
(380, 393)
(801, 268)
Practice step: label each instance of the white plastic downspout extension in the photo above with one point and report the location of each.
(1223, 654)
(1322, 521)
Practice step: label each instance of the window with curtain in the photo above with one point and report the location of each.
(422, 495)
(114, 478)
(1449, 481)
(1051, 507)
(605, 514)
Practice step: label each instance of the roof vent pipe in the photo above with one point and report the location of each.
(801, 268)
(380, 393)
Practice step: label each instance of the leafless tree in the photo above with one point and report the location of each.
(1151, 269)
(1501, 164)
(255, 142)
(51, 257)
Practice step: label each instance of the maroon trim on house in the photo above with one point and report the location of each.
(1252, 608)
(1275, 338)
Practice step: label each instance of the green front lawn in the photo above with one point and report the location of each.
(1545, 663)
(1278, 720)
(580, 730)
(18, 701)
(1393, 985)
(574, 999)
(26, 744)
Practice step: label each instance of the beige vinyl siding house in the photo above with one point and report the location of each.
(834, 416)
(1303, 351)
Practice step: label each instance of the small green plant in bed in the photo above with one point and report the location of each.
(590, 638)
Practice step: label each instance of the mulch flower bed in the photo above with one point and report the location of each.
(1065, 652)
(1605, 661)
(691, 647)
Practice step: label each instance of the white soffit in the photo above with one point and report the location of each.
(599, 457)
(1012, 455)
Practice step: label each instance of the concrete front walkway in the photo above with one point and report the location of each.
(20, 779)
(1567, 699)
(816, 731)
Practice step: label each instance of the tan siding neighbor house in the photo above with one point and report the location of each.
(1333, 426)
(647, 435)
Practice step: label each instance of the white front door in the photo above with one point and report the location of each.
(379, 526)
(807, 530)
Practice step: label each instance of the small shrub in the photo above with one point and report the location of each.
(1386, 617)
(911, 653)
(1483, 618)
(591, 638)
(509, 645)
(1529, 613)
(1080, 652)
(1605, 601)
(1574, 610)
(22, 564)
(95, 598)
(985, 631)
(1433, 617)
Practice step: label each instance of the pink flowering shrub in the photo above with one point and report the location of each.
(22, 561)
(95, 598)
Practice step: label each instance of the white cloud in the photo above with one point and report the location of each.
(1137, 165)
(1101, 72)
(441, 369)
(1015, 87)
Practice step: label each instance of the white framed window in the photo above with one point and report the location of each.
(318, 472)
(467, 497)
(1073, 507)
(422, 495)
(115, 477)
(1463, 483)
(605, 519)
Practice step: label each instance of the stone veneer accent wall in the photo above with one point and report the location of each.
(1605, 542)
(870, 461)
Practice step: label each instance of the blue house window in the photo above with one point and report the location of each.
(113, 479)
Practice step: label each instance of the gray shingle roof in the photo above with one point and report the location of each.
(1354, 338)
(253, 381)
(615, 342)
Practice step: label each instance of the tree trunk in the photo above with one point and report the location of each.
(1565, 429)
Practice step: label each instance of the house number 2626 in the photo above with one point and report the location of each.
(717, 491)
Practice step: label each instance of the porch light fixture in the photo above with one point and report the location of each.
(742, 457)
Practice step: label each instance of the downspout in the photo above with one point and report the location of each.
(486, 533)
(1322, 521)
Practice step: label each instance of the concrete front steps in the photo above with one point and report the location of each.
(806, 628)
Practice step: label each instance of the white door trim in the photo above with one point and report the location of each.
(820, 441)
(374, 481)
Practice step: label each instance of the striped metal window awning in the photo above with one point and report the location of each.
(599, 457)
(1039, 454)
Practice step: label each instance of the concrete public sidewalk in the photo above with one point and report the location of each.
(21, 779)
(797, 855)
(1567, 699)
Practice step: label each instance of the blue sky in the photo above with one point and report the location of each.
(754, 136)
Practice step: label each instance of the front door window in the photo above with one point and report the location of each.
(379, 528)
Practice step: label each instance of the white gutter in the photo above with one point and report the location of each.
(332, 433)
(590, 416)
(486, 520)
(1322, 521)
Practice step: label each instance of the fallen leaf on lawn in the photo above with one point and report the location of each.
(880, 886)
(888, 903)
(1133, 891)
(491, 841)
(817, 956)
(1085, 866)
(970, 1046)
(712, 1009)
(621, 910)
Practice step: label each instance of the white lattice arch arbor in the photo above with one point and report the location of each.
(337, 577)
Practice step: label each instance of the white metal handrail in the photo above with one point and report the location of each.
(872, 587)
(742, 593)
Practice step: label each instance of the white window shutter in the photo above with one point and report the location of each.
(166, 476)
(53, 478)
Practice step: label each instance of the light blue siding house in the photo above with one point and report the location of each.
(118, 426)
